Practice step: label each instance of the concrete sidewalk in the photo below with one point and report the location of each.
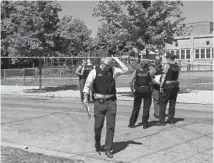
(196, 96)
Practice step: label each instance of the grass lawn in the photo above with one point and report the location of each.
(194, 81)
(15, 155)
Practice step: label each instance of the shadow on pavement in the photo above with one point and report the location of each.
(119, 146)
(53, 89)
(153, 123)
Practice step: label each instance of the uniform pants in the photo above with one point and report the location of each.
(107, 109)
(155, 96)
(81, 83)
(147, 99)
(169, 94)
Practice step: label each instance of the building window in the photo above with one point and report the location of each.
(207, 53)
(173, 52)
(182, 54)
(177, 54)
(187, 54)
(202, 53)
(197, 53)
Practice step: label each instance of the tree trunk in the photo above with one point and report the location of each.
(40, 75)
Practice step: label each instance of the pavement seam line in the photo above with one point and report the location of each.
(207, 135)
(192, 155)
(29, 119)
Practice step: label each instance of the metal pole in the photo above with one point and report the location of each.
(60, 75)
(4, 76)
(24, 76)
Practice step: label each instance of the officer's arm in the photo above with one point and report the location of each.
(78, 70)
(132, 81)
(163, 78)
(89, 81)
(123, 68)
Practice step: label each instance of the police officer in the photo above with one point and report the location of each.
(169, 88)
(103, 80)
(142, 90)
(156, 74)
(87, 68)
(79, 72)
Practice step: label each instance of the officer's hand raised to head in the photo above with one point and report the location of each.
(114, 58)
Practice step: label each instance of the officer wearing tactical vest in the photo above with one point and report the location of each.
(141, 90)
(169, 88)
(102, 78)
(87, 68)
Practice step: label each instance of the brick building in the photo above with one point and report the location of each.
(197, 45)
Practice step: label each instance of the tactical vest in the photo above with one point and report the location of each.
(104, 82)
(173, 72)
(87, 70)
(143, 77)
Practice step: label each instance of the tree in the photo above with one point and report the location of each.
(149, 25)
(72, 36)
(33, 24)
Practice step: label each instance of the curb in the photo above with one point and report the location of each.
(75, 157)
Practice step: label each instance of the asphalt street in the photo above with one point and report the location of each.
(61, 124)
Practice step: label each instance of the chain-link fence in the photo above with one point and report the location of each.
(193, 76)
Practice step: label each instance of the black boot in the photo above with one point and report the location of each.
(97, 146)
(171, 121)
(108, 154)
(131, 126)
(145, 125)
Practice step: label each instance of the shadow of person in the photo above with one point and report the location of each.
(119, 146)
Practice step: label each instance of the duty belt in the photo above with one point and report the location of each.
(103, 98)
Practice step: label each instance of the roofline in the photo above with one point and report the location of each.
(194, 36)
(199, 22)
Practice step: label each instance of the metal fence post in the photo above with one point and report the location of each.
(24, 76)
(60, 75)
(4, 76)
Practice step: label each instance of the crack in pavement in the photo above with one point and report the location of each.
(207, 135)
(162, 131)
(201, 152)
(164, 149)
(28, 119)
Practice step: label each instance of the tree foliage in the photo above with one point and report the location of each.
(146, 24)
(72, 36)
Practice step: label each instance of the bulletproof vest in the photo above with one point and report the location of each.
(142, 77)
(104, 82)
(173, 72)
(86, 71)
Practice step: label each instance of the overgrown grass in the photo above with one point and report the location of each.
(15, 155)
